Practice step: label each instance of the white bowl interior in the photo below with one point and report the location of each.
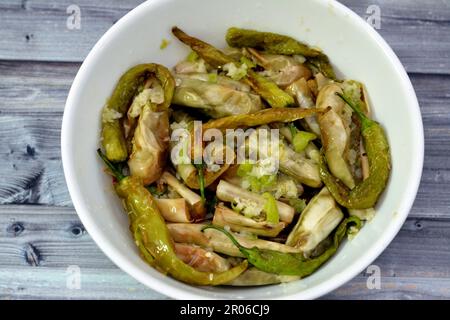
(354, 48)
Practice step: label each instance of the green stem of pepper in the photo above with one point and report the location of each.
(293, 130)
(114, 170)
(365, 121)
(365, 194)
(201, 180)
(293, 264)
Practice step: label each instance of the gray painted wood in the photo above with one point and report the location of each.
(40, 234)
(394, 288)
(51, 283)
(97, 283)
(31, 110)
(37, 30)
(35, 87)
(31, 170)
(415, 29)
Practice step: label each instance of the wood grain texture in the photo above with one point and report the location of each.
(30, 118)
(414, 29)
(31, 169)
(35, 88)
(414, 265)
(396, 288)
(40, 234)
(36, 29)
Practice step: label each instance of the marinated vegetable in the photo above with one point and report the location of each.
(365, 195)
(246, 166)
(268, 90)
(129, 85)
(279, 44)
(152, 236)
(292, 264)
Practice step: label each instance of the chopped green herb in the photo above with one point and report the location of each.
(164, 44)
(250, 64)
(201, 180)
(212, 77)
(192, 56)
(271, 208)
(244, 169)
(301, 140)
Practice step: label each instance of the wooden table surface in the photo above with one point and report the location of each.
(41, 237)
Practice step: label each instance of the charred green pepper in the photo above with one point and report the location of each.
(366, 193)
(265, 116)
(292, 264)
(152, 236)
(279, 44)
(113, 138)
(267, 89)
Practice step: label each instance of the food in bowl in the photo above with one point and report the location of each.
(244, 167)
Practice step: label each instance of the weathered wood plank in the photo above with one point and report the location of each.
(35, 88)
(40, 27)
(51, 283)
(49, 235)
(414, 29)
(38, 244)
(33, 97)
(31, 170)
(37, 30)
(394, 288)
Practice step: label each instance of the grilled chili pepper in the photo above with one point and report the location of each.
(207, 52)
(323, 65)
(292, 264)
(267, 89)
(366, 193)
(152, 236)
(258, 118)
(279, 44)
(268, 41)
(113, 138)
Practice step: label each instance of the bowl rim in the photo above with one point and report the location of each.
(172, 291)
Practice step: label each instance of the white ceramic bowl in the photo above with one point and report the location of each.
(356, 51)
